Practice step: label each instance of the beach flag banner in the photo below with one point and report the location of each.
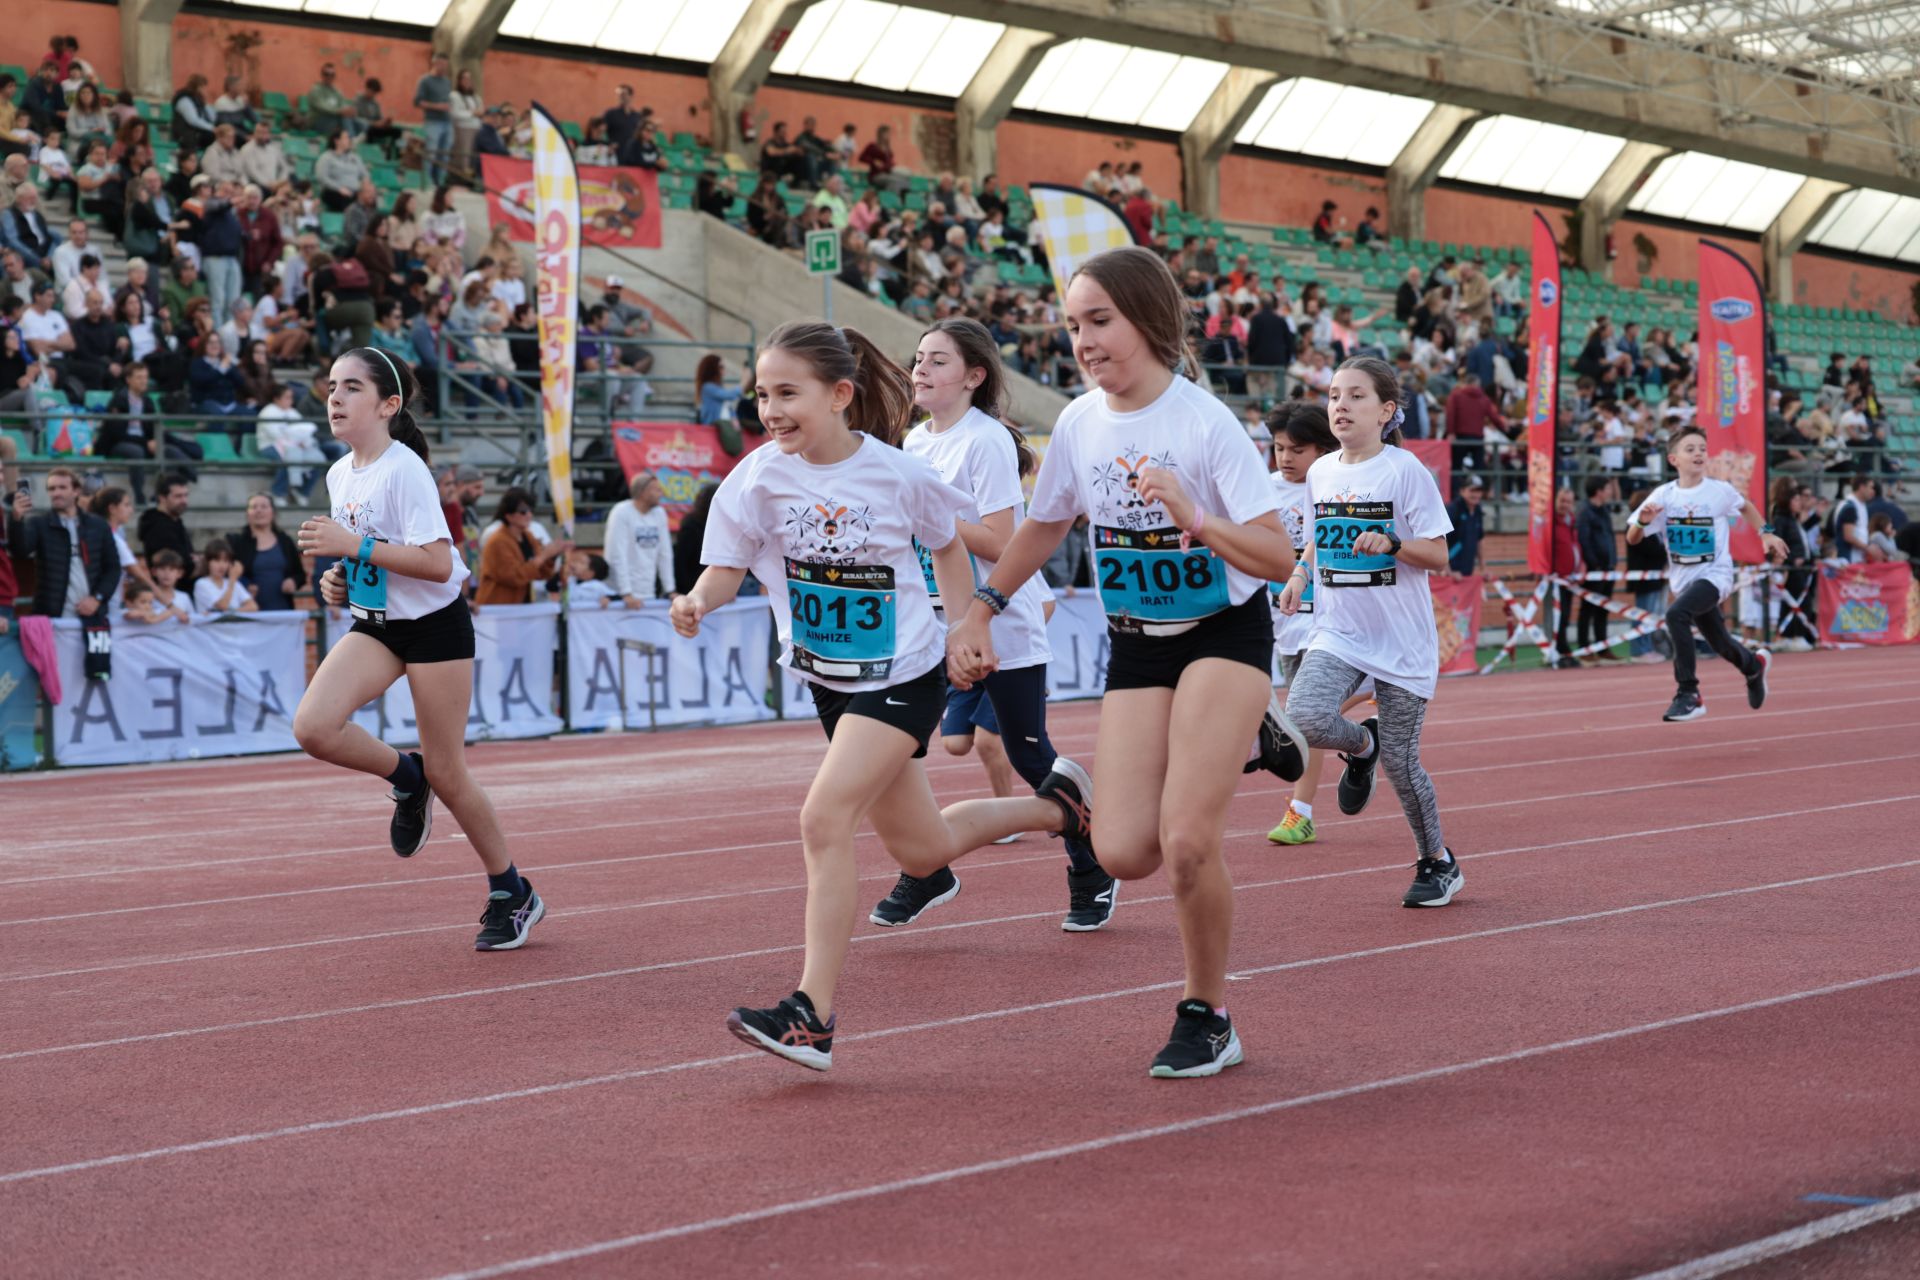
(1543, 395)
(1072, 225)
(1732, 391)
(556, 193)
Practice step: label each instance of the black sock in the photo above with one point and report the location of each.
(407, 776)
(507, 881)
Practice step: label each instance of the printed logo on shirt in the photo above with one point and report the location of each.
(1116, 487)
(359, 515)
(827, 530)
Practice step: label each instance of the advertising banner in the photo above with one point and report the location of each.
(1731, 379)
(620, 207)
(182, 691)
(683, 455)
(1456, 617)
(1543, 394)
(1869, 604)
(720, 676)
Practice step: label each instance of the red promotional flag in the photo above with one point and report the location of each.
(1733, 400)
(1543, 395)
(684, 457)
(1456, 618)
(619, 208)
(1438, 457)
(1869, 604)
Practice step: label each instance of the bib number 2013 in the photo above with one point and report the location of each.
(843, 619)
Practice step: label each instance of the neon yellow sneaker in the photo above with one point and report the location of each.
(1295, 828)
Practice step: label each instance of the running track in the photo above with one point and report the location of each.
(1678, 998)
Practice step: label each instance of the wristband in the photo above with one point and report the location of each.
(366, 550)
(994, 600)
(1300, 571)
(1192, 531)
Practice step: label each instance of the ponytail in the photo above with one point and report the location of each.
(882, 391)
(394, 378)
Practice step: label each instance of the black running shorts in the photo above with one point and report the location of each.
(445, 635)
(914, 708)
(1241, 633)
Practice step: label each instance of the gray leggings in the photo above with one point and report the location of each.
(1313, 702)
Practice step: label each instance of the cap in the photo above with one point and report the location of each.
(199, 180)
(466, 473)
(1473, 482)
(615, 282)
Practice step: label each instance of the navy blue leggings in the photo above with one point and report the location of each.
(1019, 700)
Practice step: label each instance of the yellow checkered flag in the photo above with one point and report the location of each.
(1072, 225)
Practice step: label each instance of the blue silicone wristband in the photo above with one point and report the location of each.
(366, 550)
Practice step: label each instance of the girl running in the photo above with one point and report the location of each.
(398, 576)
(1185, 537)
(1375, 528)
(957, 379)
(1300, 437)
(1695, 512)
(833, 509)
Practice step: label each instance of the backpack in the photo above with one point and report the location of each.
(350, 273)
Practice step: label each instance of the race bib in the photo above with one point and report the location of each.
(1306, 588)
(926, 571)
(1335, 527)
(1145, 577)
(366, 592)
(843, 619)
(1691, 539)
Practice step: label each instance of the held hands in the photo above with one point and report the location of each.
(320, 536)
(333, 586)
(970, 655)
(1160, 485)
(686, 613)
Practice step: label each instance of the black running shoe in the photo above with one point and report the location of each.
(1434, 882)
(1069, 786)
(1757, 682)
(412, 815)
(1283, 748)
(1202, 1044)
(1687, 706)
(508, 920)
(791, 1030)
(911, 895)
(1091, 896)
(1356, 780)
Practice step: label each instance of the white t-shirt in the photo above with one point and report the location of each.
(51, 327)
(1290, 633)
(1092, 465)
(127, 561)
(1375, 613)
(207, 592)
(179, 599)
(1849, 516)
(639, 551)
(1694, 524)
(590, 591)
(976, 455)
(395, 499)
(837, 542)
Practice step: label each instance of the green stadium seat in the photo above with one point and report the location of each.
(99, 400)
(685, 141)
(24, 442)
(573, 131)
(217, 446)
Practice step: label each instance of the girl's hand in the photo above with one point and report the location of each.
(1775, 547)
(1648, 510)
(970, 656)
(1160, 485)
(686, 612)
(1373, 542)
(333, 586)
(1290, 596)
(321, 537)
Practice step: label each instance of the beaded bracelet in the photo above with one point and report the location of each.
(994, 600)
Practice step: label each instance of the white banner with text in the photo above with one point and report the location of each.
(720, 676)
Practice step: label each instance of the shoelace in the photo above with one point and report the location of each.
(907, 888)
(499, 911)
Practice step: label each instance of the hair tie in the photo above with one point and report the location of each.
(1393, 423)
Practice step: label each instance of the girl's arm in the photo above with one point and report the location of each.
(716, 588)
(1020, 559)
(988, 539)
(1259, 547)
(431, 563)
(1421, 553)
(1773, 544)
(951, 572)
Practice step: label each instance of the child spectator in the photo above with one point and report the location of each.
(137, 604)
(588, 573)
(221, 590)
(169, 601)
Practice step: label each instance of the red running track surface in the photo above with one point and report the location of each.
(1677, 997)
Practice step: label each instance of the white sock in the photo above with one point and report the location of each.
(1373, 744)
(1302, 808)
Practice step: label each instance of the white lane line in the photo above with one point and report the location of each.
(1241, 973)
(147, 962)
(168, 825)
(1654, 726)
(1129, 1137)
(1792, 1240)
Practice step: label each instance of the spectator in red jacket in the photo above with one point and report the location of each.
(1139, 214)
(1566, 565)
(1469, 410)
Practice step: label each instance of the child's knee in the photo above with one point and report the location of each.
(957, 744)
